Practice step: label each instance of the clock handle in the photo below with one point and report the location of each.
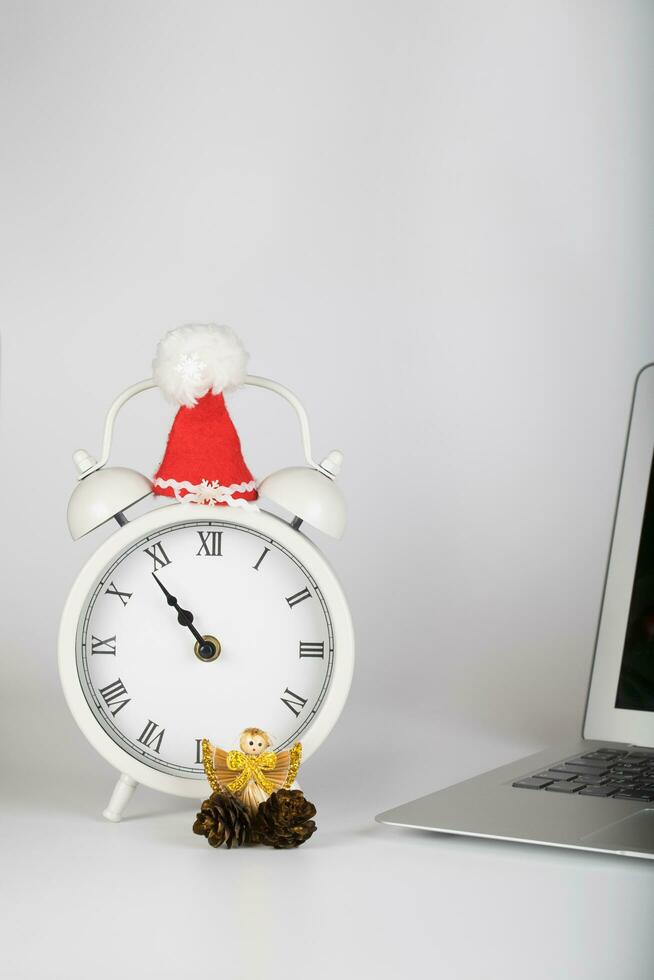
(300, 411)
(87, 465)
(120, 797)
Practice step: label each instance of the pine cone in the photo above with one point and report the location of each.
(284, 820)
(223, 820)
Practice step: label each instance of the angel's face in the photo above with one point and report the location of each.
(253, 744)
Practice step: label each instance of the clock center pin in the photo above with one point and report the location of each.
(208, 650)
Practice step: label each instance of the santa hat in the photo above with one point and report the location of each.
(203, 463)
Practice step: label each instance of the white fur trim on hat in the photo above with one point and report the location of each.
(197, 358)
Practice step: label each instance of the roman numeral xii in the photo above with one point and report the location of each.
(211, 543)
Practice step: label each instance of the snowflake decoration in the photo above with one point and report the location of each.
(210, 493)
(191, 367)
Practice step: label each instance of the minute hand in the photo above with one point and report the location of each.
(184, 617)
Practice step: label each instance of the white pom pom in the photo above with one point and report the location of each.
(197, 358)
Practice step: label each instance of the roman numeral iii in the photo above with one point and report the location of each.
(113, 696)
(152, 738)
(103, 646)
(158, 556)
(211, 543)
(123, 596)
(294, 702)
(312, 649)
(293, 600)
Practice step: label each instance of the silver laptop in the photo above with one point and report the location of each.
(597, 793)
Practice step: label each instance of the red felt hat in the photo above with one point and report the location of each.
(203, 462)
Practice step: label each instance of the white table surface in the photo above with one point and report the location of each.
(146, 898)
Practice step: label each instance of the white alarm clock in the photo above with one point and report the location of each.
(209, 615)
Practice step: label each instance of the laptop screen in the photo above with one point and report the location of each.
(636, 683)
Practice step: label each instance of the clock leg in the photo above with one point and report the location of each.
(120, 798)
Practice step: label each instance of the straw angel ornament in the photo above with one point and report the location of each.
(254, 772)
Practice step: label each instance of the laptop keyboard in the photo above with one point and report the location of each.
(622, 775)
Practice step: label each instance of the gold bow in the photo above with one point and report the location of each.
(250, 768)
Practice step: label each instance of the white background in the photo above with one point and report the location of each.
(434, 222)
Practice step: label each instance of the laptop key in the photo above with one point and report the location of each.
(531, 782)
(644, 795)
(607, 790)
(583, 760)
(565, 787)
(580, 770)
(552, 775)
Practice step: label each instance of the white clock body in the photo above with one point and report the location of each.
(131, 673)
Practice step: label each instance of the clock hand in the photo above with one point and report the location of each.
(206, 648)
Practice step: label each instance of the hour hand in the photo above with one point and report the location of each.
(207, 648)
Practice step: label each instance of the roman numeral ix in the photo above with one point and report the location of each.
(123, 596)
(293, 600)
(294, 702)
(103, 646)
(211, 543)
(158, 556)
(312, 649)
(152, 738)
(113, 696)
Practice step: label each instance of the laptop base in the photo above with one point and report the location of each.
(490, 806)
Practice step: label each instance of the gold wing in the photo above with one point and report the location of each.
(286, 767)
(282, 775)
(215, 766)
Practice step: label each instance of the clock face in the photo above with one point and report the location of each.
(264, 656)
